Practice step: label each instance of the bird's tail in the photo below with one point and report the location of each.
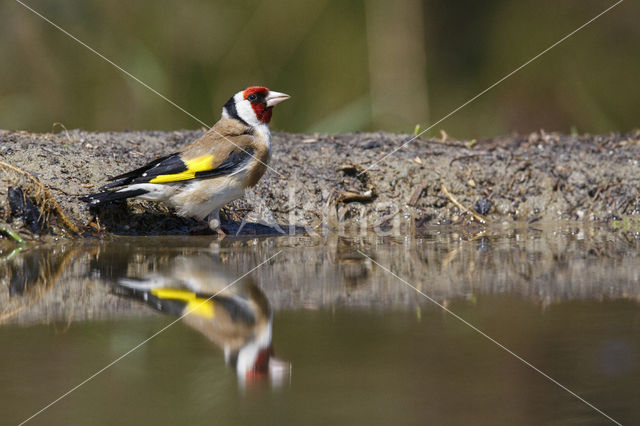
(153, 296)
(107, 196)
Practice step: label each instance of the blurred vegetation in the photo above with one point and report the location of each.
(350, 65)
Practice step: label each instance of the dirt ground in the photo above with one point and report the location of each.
(320, 182)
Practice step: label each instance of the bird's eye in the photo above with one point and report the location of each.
(252, 97)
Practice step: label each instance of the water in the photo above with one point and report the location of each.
(352, 343)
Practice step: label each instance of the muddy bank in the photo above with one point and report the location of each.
(317, 181)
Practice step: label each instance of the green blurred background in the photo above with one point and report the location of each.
(350, 65)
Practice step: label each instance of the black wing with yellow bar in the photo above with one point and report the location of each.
(174, 168)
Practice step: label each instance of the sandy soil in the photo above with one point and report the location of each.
(316, 181)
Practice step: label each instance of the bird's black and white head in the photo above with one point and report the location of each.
(253, 106)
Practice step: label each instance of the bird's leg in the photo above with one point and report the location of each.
(202, 225)
(214, 219)
(215, 224)
(212, 222)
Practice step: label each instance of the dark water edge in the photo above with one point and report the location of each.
(362, 345)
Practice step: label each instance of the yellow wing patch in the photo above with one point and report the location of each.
(195, 165)
(195, 305)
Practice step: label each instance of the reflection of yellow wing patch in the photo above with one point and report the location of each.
(199, 164)
(195, 305)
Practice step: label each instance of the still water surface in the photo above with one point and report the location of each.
(353, 344)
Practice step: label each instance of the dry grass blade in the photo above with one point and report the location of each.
(475, 215)
(49, 200)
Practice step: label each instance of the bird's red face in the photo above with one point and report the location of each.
(262, 101)
(257, 96)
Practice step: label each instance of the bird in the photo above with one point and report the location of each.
(211, 171)
(232, 313)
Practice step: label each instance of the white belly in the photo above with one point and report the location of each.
(199, 198)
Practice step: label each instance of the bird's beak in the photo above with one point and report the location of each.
(274, 98)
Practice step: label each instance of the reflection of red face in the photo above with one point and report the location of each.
(261, 366)
(267, 370)
(258, 97)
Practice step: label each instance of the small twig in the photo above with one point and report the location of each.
(309, 140)
(368, 195)
(416, 194)
(386, 219)
(476, 216)
(350, 196)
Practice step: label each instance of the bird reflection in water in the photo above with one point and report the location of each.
(236, 317)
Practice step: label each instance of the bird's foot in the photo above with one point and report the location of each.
(206, 226)
(221, 233)
(212, 223)
(215, 225)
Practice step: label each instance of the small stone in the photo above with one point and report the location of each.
(482, 206)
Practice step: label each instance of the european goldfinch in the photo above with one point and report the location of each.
(238, 318)
(211, 171)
